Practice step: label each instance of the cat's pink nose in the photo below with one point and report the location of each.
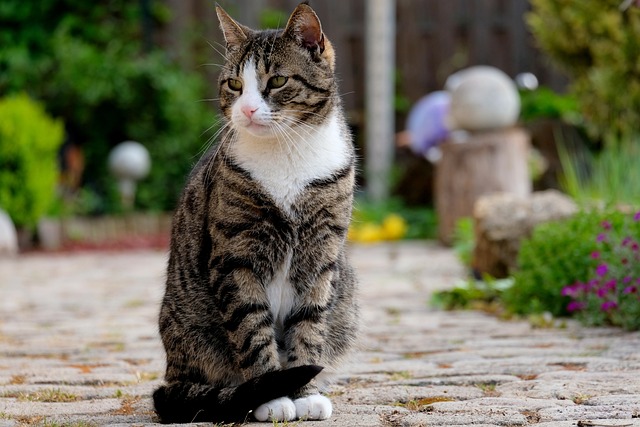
(248, 110)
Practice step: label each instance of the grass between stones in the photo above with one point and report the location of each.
(45, 395)
(421, 405)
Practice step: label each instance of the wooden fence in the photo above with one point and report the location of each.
(434, 39)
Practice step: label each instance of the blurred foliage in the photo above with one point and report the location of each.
(391, 220)
(598, 45)
(464, 240)
(556, 254)
(474, 294)
(545, 103)
(610, 177)
(29, 143)
(84, 61)
(273, 19)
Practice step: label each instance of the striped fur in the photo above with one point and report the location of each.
(259, 291)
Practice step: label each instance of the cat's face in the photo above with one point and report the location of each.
(277, 81)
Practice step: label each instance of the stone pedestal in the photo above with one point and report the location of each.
(487, 162)
(501, 221)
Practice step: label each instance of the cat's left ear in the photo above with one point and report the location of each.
(304, 27)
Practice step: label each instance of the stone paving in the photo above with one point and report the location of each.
(79, 347)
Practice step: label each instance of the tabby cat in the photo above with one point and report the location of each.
(259, 294)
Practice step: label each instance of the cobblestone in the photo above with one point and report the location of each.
(79, 347)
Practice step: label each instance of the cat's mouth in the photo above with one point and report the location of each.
(257, 129)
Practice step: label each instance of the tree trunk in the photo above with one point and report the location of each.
(486, 163)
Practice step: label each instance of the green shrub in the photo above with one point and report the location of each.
(611, 176)
(85, 62)
(29, 143)
(598, 45)
(611, 295)
(111, 95)
(557, 254)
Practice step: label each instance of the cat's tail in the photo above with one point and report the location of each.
(191, 402)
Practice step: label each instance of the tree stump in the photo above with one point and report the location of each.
(486, 163)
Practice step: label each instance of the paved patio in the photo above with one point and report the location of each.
(79, 347)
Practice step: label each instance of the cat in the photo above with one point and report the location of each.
(260, 296)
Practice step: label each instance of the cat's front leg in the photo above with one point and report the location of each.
(248, 321)
(305, 335)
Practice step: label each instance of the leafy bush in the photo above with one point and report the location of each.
(611, 176)
(29, 142)
(545, 103)
(84, 61)
(598, 45)
(110, 95)
(557, 254)
(610, 296)
(485, 294)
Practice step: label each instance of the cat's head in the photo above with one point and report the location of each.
(275, 80)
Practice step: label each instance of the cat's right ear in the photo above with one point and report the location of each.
(234, 33)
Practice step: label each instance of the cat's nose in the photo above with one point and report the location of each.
(248, 110)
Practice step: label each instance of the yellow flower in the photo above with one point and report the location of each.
(394, 227)
(367, 233)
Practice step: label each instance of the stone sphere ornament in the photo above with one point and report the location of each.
(482, 98)
(129, 162)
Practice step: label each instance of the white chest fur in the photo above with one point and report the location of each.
(286, 165)
(281, 158)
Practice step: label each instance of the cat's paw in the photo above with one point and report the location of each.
(313, 407)
(281, 409)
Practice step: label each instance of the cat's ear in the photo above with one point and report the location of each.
(304, 27)
(234, 33)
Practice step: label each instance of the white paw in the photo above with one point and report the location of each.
(314, 407)
(281, 409)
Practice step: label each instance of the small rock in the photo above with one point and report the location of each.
(502, 220)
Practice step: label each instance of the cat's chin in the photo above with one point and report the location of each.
(258, 131)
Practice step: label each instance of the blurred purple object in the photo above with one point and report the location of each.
(427, 122)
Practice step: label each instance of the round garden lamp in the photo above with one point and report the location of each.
(129, 162)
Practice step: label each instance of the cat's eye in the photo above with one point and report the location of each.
(276, 81)
(234, 84)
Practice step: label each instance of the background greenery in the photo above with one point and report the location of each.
(597, 44)
(29, 142)
(85, 62)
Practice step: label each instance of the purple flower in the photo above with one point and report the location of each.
(592, 284)
(575, 306)
(595, 254)
(608, 305)
(601, 237)
(602, 269)
(602, 292)
(636, 217)
(606, 225)
(626, 279)
(630, 290)
(626, 241)
(572, 290)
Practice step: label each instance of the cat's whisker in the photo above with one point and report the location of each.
(224, 55)
(291, 144)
